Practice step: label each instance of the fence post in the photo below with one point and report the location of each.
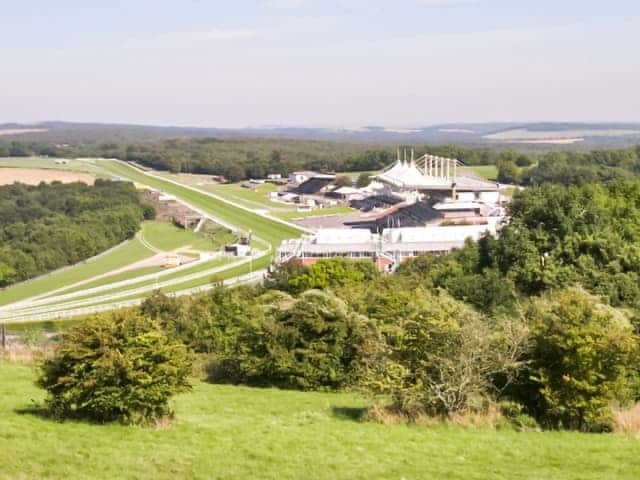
(3, 334)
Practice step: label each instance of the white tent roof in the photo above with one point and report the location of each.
(403, 174)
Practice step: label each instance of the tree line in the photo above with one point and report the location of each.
(49, 226)
(244, 158)
(570, 168)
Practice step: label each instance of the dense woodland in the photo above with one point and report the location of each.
(49, 226)
(570, 168)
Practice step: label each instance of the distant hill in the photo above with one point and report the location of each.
(520, 135)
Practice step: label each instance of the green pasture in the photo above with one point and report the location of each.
(235, 432)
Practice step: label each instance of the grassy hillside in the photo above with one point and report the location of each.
(239, 432)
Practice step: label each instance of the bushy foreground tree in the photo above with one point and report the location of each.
(581, 362)
(445, 358)
(119, 367)
(325, 274)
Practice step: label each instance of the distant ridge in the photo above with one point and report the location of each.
(591, 135)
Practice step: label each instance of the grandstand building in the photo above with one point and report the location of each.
(387, 249)
(436, 178)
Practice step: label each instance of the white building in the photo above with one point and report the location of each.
(387, 250)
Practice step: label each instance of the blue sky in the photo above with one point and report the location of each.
(324, 63)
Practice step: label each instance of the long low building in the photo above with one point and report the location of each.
(388, 249)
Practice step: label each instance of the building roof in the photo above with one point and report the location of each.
(303, 172)
(326, 236)
(407, 175)
(466, 182)
(441, 234)
(347, 190)
(457, 206)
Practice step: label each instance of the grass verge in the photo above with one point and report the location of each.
(238, 432)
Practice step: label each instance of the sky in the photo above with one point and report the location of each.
(325, 63)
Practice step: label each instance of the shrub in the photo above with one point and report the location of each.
(445, 358)
(582, 356)
(312, 342)
(333, 273)
(119, 367)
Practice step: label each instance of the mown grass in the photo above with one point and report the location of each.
(321, 212)
(118, 277)
(256, 198)
(490, 172)
(166, 236)
(217, 262)
(230, 432)
(272, 232)
(252, 198)
(121, 256)
(50, 164)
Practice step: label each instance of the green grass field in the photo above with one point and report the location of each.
(120, 292)
(490, 172)
(118, 277)
(229, 432)
(322, 212)
(50, 164)
(265, 228)
(250, 198)
(167, 237)
(121, 256)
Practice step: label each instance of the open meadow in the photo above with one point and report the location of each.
(223, 431)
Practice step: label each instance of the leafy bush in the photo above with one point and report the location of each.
(119, 367)
(333, 273)
(445, 358)
(252, 337)
(312, 342)
(581, 360)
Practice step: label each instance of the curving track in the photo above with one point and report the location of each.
(266, 230)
